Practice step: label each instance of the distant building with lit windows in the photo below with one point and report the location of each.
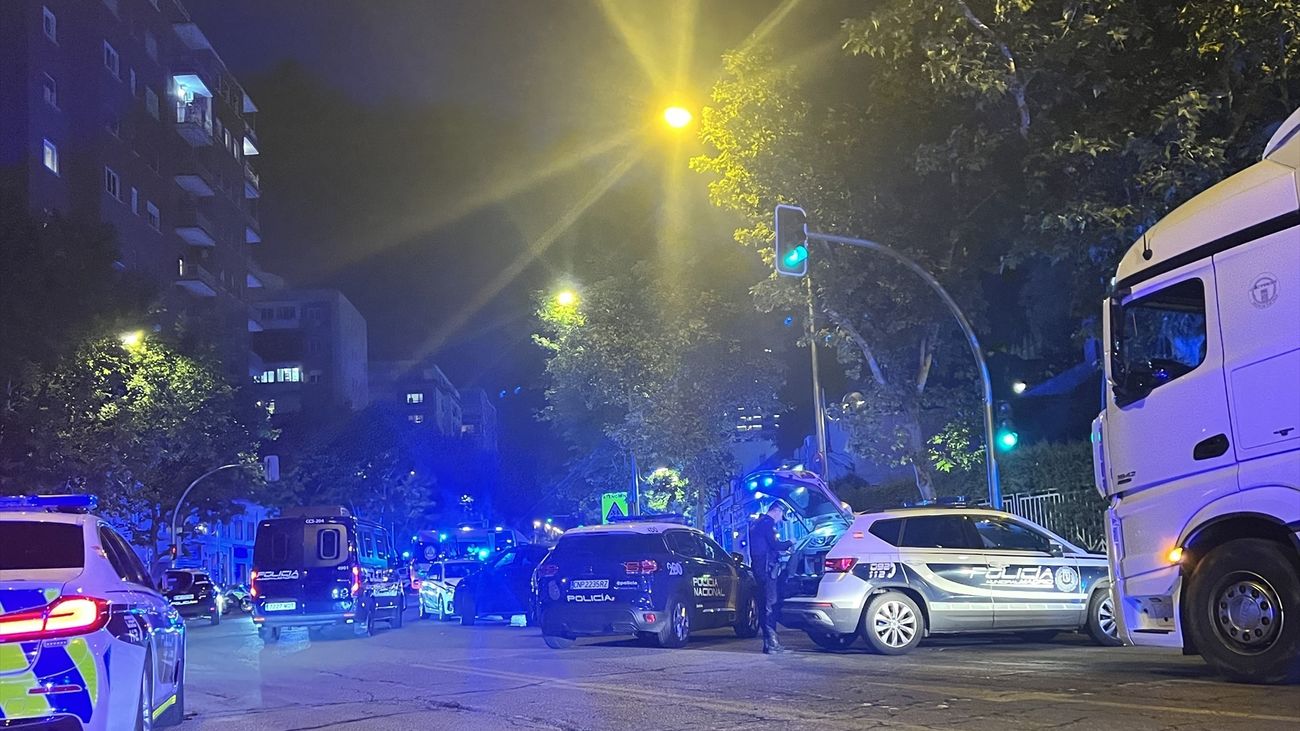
(312, 349)
(422, 392)
(479, 420)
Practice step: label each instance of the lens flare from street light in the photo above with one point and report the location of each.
(132, 339)
(567, 298)
(678, 117)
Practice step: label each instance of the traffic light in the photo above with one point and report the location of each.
(1007, 438)
(791, 228)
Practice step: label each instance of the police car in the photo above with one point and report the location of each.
(893, 578)
(86, 640)
(438, 586)
(659, 581)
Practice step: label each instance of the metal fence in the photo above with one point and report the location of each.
(1038, 507)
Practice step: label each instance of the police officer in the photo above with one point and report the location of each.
(764, 551)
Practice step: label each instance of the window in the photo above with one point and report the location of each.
(151, 212)
(416, 418)
(683, 544)
(32, 545)
(51, 25)
(327, 545)
(151, 45)
(123, 558)
(315, 313)
(51, 157)
(111, 60)
(1007, 535)
(292, 374)
(268, 313)
(712, 551)
(935, 531)
(367, 543)
(1158, 338)
(314, 377)
(887, 530)
(131, 76)
(135, 200)
(112, 183)
(286, 313)
(50, 90)
(265, 377)
(415, 397)
(151, 102)
(270, 407)
(180, 266)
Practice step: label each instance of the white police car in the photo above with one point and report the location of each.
(893, 578)
(438, 586)
(86, 640)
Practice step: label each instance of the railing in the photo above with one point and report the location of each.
(1041, 508)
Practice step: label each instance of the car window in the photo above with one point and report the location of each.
(712, 550)
(329, 544)
(935, 531)
(114, 554)
(31, 545)
(504, 559)
(1009, 535)
(178, 581)
(683, 543)
(458, 570)
(367, 543)
(888, 531)
(123, 558)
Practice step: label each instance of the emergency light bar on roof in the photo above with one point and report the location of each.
(665, 518)
(50, 503)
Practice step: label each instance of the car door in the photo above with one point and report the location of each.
(723, 567)
(940, 559)
(697, 574)
(159, 622)
(1031, 587)
(491, 592)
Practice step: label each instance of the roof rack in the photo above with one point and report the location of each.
(50, 503)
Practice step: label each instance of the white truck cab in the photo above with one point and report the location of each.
(1198, 447)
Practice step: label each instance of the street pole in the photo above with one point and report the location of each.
(990, 449)
(635, 504)
(819, 407)
(176, 513)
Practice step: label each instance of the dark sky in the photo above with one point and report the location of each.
(402, 145)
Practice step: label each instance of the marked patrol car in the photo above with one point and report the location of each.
(86, 640)
(658, 581)
(896, 577)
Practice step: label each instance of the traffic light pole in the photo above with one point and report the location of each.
(990, 448)
(819, 407)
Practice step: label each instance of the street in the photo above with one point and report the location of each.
(431, 675)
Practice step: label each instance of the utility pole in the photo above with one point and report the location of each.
(819, 407)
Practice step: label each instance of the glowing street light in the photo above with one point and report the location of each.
(566, 298)
(678, 117)
(132, 339)
(1019, 387)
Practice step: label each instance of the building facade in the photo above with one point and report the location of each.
(311, 350)
(120, 111)
(479, 420)
(422, 392)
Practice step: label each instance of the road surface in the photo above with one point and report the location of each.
(431, 675)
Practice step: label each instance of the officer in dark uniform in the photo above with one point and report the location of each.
(764, 552)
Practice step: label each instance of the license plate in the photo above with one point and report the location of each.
(184, 597)
(280, 606)
(590, 584)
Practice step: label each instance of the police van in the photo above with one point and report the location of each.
(893, 578)
(658, 581)
(86, 639)
(324, 567)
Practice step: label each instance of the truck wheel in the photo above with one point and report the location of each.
(1102, 626)
(747, 621)
(1243, 611)
(893, 624)
(556, 642)
(676, 631)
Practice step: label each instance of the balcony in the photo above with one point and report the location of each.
(196, 280)
(254, 320)
(252, 182)
(195, 228)
(193, 109)
(194, 179)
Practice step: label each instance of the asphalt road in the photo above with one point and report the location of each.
(431, 675)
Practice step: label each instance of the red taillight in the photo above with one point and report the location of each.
(252, 584)
(840, 565)
(356, 581)
(65, 617)
(645, 566)
(416, 584)
(548, 570)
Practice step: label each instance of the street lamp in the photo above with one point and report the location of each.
(566, 298)
(132, 339)
(678, 117)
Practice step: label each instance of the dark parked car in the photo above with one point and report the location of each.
(502, 588)
(194, 594)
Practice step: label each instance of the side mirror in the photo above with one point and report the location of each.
(737, 557)
(1056, 549)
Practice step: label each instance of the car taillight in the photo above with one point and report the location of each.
(644, 566)
(252, 584)
(356, 581)
(839, 565)
(548, 570)
(65, 617)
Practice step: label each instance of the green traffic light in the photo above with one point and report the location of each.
(796, 255)
(1008, 439)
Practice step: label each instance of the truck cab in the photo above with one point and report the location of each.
(1197, 448)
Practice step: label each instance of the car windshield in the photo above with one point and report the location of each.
(178, 581)
(608, 545)
(32, 546)
(293, 544)
(458, 570)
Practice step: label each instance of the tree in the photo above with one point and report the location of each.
(134, 422)
(657, 367)
(992, 142)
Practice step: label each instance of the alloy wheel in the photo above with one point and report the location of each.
(895, 624)
(1106, 617)
(681, 622)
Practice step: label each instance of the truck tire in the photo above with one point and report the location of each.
(893, 624)
(1243, 611)
(1102, 625)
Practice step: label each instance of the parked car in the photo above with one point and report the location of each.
(438, 582)
(194, 594)
(502, 588)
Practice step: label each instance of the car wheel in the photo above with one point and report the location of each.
(144, 709)
(216, 617)
(1240, 598)
(246, 605)
(420, 605)
(398, 611)
(747, 623)
(269, 634)
(833, 642)
(366, 628)
(556, 642)
(1102, 625)
(467, 613)
(676, 631)
(893, 624)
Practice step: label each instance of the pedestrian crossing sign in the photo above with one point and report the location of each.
(613, 505)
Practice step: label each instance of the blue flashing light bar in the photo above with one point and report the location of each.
(59, 503)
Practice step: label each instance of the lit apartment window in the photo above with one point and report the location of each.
(151, 102)
(415, 398)
(265, 377)
(416, 418)
(51, 157)
(51, 25)
(151, 212)
(270, 407)
(111, 60)
(288, 375)
(112, 183)
(180, 266)
(50, 90)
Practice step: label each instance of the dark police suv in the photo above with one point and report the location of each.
(658, 581)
